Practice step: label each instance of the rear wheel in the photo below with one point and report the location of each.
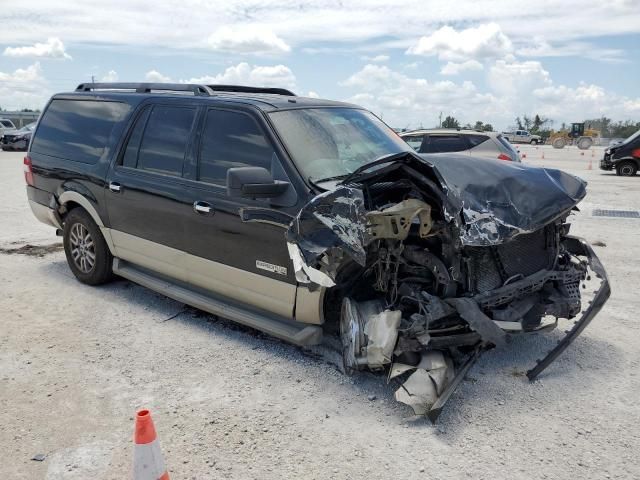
(533, 142)
(584, 143)
(626, 169)
(559, 142)
(87, 252)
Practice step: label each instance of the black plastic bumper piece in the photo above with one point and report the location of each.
(578, 246)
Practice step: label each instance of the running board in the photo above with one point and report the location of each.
(298, 334)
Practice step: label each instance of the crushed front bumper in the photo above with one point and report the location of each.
(579, 247)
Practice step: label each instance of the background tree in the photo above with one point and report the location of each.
(487, 127)
(450, 122)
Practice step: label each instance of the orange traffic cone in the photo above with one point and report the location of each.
(590, 167)
(542, 157)
(593, 153)
(148, 463)
(582, 153)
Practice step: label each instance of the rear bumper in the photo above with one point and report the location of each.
(43, 205)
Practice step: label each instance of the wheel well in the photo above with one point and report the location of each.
(67, 207)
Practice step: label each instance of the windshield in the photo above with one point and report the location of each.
(632, 137)
(332, 142)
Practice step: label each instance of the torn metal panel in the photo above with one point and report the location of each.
(333, 219)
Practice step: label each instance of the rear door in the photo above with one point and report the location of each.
(244, 261)
(145, 195)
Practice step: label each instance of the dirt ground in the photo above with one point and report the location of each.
(76, 362)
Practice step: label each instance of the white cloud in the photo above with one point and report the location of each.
(23, 88)
(312, 94)
(539, 47)
(403, 100)
(515, 88)
(377, 58)
(52, 48)
(452, 68)
(156, 77)
(510, 77)
(245, 74)
(111, 76)
(483, 41)
(247, 39)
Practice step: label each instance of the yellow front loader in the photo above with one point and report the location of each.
(578, 136)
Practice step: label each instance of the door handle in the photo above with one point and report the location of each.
(202, 207)
(115, 187)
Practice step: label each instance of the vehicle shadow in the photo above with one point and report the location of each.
(498, 378)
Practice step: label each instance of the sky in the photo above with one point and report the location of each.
(407, 61)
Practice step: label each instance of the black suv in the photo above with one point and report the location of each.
(299, 216)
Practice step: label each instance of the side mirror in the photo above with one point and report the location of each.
(253, 182)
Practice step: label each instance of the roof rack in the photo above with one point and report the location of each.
(198, 90)
(244, 89)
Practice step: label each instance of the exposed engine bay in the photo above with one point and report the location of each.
(428, 262)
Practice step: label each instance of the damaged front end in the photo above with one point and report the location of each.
(430, 261)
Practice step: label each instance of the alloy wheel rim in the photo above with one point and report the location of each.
(626, 170)
(83, 250)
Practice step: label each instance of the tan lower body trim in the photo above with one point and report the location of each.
(248, 288)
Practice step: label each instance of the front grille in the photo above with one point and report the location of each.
(526, 254)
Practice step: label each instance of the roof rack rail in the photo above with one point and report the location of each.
(244, 89)
(198, 90)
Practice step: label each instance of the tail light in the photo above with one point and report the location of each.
(28, 171)
(636, 153)
(502, 156)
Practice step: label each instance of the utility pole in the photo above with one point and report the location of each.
(93, 80)
(440, 125)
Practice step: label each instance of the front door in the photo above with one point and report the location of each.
(244, 261)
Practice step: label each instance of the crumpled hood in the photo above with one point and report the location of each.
(490, 202)
(501, 199)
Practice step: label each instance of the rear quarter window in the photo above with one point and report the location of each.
(77, 130)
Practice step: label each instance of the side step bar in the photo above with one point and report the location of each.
(298, 334)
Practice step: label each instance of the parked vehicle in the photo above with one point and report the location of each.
(6, 125)
(302, 217)
(18, 140)
(624, 157)
(578, 135)
(475, 143)
(522, 136)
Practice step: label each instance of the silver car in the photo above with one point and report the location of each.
(476, 143)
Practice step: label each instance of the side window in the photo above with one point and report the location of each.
(130, 157)
(78, 130)
(444, 143)
(414, 141)
(231, 139)
(165, 139)
(475, 140)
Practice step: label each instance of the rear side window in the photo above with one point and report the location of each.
(231, 139)
(414, 141)
(165, 138)
(77, 130)
(6, 124)
(444, 143)
(475, 140)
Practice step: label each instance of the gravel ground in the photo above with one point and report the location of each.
(76, 362)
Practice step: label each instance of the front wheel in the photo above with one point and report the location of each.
(559, 142)
(585, 143)
(87, 252)
(626, 169)
(533, 142)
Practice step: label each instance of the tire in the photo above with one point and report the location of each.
(559, 142)
(533, 142)
(626, 168)
(87, 252)
(584, 143)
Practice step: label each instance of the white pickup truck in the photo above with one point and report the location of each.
(522, 136)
